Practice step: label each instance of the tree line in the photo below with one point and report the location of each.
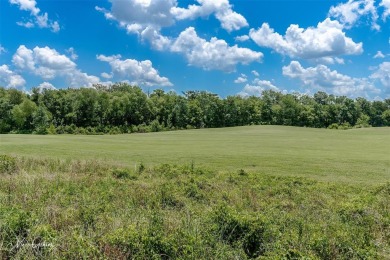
(122, 108)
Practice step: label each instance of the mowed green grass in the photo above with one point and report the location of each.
(353, 156)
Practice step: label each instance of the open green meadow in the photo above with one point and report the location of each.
(358, 155)
(256, 192)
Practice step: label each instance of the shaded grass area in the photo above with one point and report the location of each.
(73, 209)
(358, 155)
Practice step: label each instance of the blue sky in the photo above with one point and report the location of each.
(223, 46)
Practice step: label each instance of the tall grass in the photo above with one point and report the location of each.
(69, 209)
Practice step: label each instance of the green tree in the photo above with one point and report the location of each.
(41, 120)
(22, 115)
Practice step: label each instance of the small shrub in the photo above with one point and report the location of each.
(51, 130)
(14, 228)
(245, 231)
(123, 174)
(345, 126)
(242, 172)
(7, 164)
(141, 168)
(333, 126)
(155, 126)
(192, 191)
(115, 131)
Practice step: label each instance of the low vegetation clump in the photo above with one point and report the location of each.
(84, 209)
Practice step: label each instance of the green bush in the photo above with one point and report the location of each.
(124, 174)
(7, 164)
(241, 230)
(333, 126)
(14, 229)
(51, 130)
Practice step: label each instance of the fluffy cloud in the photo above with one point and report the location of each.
(72, 53)
(137, 72)
(9, 78)
(255, 73)
(330, 60)
(351, 12)
(241, 79)
(158, 41)
(379, 55)
(146, 18)
(325, 40)
(143, 17)
(322, 78)
(49, 64)
(257, 87)
(45, 85)
(242, 38)
(386, 5)
(214, 54)
(40, 20)
(107, 75)
(229, 19)
(383, 74)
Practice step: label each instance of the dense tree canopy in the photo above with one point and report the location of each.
(121, 108)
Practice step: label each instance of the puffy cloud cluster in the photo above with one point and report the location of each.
(242, 38)
(138, 72)
(213, 54)
(143, 17)
(241, 79)
(45, 85)
(257, 87)
(386, 5)
(229, 19)
(146, 18)
(325, 40)
(351, 12)
(49, 64)
(383, 74)
(322, 78)
(38, 19)
(72, 53)
(9, 78)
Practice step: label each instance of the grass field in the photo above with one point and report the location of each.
(259, 192)
(358, 155)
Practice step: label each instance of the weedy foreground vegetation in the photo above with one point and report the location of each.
(85, 208)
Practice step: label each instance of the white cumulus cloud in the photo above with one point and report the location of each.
(383, 74)
(45, 85)
(215, 54)
(242, 38)
(257, 87)
(379, 55)
(144, 18)
(255, 73)
(351, 12)
(49, 64)
(72, 53)
(136, 72)
(241, 79)
(9, 78)
(322, 78)
(325, 40)
(386, 5)
(38, 19)
(222, 9)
